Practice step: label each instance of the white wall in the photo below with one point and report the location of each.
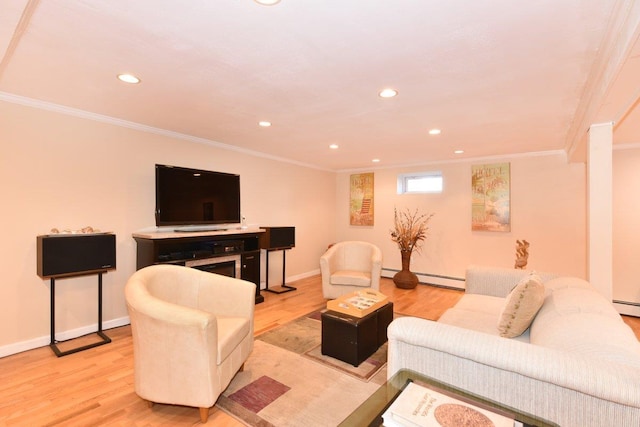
(547, 209)
(63, 171)
(626, 230)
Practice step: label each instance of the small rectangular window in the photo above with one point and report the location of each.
(422, 182)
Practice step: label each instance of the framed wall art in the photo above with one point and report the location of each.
(491, 197)
(361, 199)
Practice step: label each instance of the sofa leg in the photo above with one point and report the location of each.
(204, 414)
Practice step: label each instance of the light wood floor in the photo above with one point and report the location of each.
(95, 387)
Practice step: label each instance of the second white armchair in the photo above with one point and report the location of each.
(349, 266)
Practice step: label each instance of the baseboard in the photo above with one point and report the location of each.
(19, 347)
(291, 279)
(627, 308)
(303, 275)
(431, 279)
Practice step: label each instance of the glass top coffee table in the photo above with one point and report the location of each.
(369, 413)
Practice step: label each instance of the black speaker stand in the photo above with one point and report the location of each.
(104, 338)
(285, 287)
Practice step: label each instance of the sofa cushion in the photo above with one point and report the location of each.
(568, 295)
(478, 313)
(590, 335)
(481, 304)
(521, 306)
(565, 283)
(575, 317)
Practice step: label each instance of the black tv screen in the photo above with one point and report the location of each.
(187, 196)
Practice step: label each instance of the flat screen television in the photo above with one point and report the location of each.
(187, 196)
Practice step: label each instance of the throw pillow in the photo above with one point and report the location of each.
(521, 306)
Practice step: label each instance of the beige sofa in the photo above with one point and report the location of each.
(577, 365)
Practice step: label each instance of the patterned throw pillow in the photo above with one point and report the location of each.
(521, 306)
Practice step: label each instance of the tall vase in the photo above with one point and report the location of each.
(404, 278)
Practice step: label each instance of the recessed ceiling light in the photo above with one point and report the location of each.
(334, 146)
(128, 78)
(267, 2)
(387, 93)
(458, 152)
(376, 160)
(435, 132)
(264, 124)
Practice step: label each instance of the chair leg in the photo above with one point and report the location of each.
(204, 414)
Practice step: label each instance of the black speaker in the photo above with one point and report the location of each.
(71, 254)
(278, 238)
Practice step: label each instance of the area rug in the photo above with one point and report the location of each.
(303, 336)
(284, 383)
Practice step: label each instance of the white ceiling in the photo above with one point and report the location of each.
(499, 77)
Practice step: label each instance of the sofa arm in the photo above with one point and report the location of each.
(555, 385)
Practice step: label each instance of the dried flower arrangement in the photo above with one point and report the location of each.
(410, 229)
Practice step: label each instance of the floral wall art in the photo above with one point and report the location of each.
(361, 199)
(491, 198)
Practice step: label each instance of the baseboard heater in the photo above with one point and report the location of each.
(628, 308)
(431, 279)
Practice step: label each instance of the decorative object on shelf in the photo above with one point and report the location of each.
(361, 199)
(522, 254)
(86, 230)
(410, 229)
(491, 197)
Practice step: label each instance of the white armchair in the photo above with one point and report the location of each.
(350, 266)
(192, 332)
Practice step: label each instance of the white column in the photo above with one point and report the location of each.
(599, 207)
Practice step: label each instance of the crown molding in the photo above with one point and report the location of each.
(463, 160)
(75, 112)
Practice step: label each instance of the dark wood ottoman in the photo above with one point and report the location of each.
(353, 339)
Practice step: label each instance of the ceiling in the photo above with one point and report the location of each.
(498, 77)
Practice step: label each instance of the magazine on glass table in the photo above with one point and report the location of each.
(422, 406)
